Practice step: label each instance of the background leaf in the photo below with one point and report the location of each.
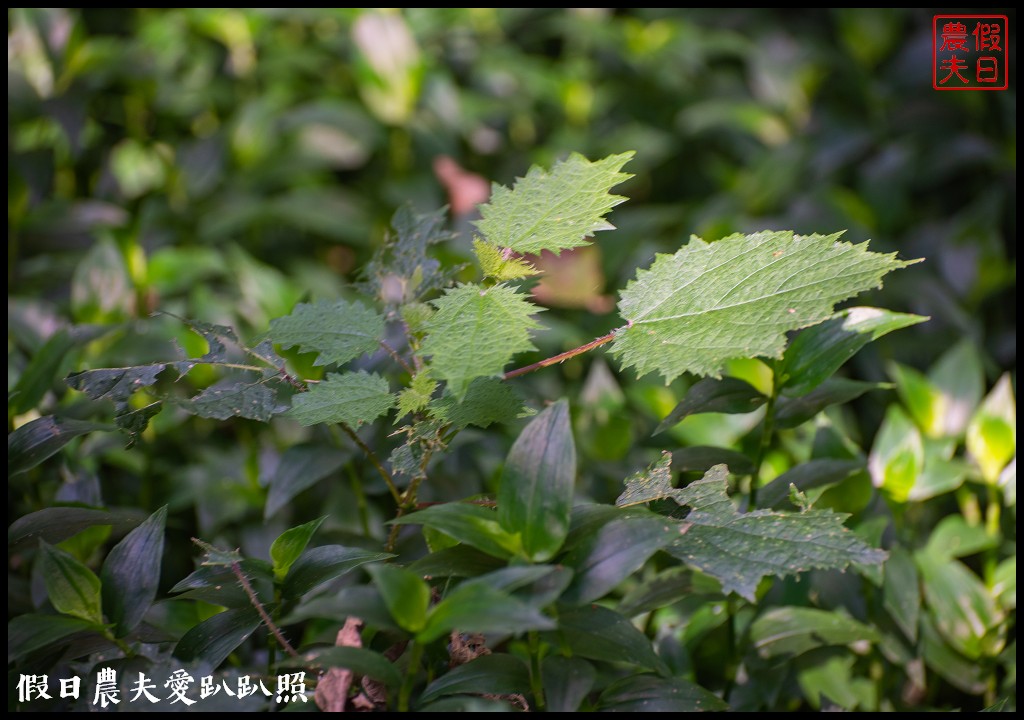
(339, 331)
(131, 573)
(35, 441)
(73, 589)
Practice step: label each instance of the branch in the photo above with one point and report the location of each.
(388, 480)
(562, 357)
(244, 582)
(397, 358)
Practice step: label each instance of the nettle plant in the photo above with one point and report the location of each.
(524, 599)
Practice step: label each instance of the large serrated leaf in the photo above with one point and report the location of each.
(339, 330)
(476, 331)
(741, 548)
(712, 302)
(487, 401)
(131, 573)
(351, 398)
(231, 398)
(535, 496)
(554, 209)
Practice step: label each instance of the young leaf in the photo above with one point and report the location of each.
(817, 352)
(535, 496)
(73, 589)
(992, 433)
(488, 400)
(131, 573)
(554, 209)
(495, 264)
(285, 550)
(712, 302)
(35, 441)
(960, 379)
(415, 397)
(741, 548)
(231, 398)
(897, 455)
(476, 331)
(718, 395)
(339, 330)
(351, 398)
(406, 596)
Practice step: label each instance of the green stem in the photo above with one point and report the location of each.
(766, 440)
(375, 461)
(361, 504)
(993, 516)
(730, 669)
(415, 654)
(536, 681)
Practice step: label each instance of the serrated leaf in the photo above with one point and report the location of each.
(231, 398)
(214, 335)
(535, 495)
(115, 384)
(494, 674)
(817, 352)
(35, 441)
(476, 607)
(712, 302)
(717, 395)
(321, 564)
(500, 265)
(554, 209)
(135, 422)
(285, 550)
(216, 557)
(654, 483)
(741, 548)
(415, 397)
(649, 693)
(795, 630)
(212, 640)
(73, 589)
(406, 595)
(487, 401)
(475, 333)
(792, 412)
(339, 331)
(351, 398)
(131, 573)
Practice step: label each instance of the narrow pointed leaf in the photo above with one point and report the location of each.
(535, 496)
(405, 594)
(360, 661)
(701, 458)
(35, 441)
(352, 398)
(567, 682)
(131, 573)
(59, 523)
(212, 640)
(321, 564)
(709, 303)
(73, 589)
(816, 473)
(718, 395)
(649, 693)
(28, 633)
(901, 592)
(495, 674)
(467, 523)
(597, 633)
(300, 467)
(475, 607)
(795, 630)
(792, 412)
(285, 550)
(339, 331)
(554, 209)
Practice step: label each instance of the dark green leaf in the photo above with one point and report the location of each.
(361, 601)
(494, 674)
(73, 589)
(702, 458)
(458, 561)
(359, 660)
(57, 524)
(791, 412)
(339, 331)
(598, 633)
(953, 537)
(467, 704)
(351, 398)
(647, 693)
(535, 496)
(795, 630)
(806, 476)
(212, 640)
(216, 557)
(817, 352)
(901, 592)
(300, 467)
(659, 591)
(131, 573)
(115, 384)
(967, 675)
(474, 607)
(406, 595)
(37, 440)
(320, 564)
(134, 422)
(567, 681)
(472, 524)
(285, 550)
(719, 395)
(487, 401)
(231, 398)
(39, 375)
(28, 633)
(644, 486)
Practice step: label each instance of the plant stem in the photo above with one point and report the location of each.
(372, 456)
(562, 357)
(993, 513)
(766, 440)
(255, 601)
(408, 499)
(397, 358)
(415, 653)
(536, 681)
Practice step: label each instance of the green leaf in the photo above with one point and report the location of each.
(415, 397)
(741, 548)
(488, 400)
(833, 682)
(500, 264)
(992, 432)
(321, 564)
(817, 352)
(215, 557)
(959, 376)
(1004, 583)
(597, 633)
(654, 483)
(456, 561)
(790, 631)
(901, 592)
(39, 375)
(554, 210)
(28, 633)
(231, 398)
(963, 673)
(897, 455)
(719, 395)
(285, 550)
(475, 333)
(701, 458)
(300, 467)
(351, 398)
(477, 607)
(360, 661)
(405, 594)
(472, 524)
(535, 495)
(495, 674)
(217, 584)
(567, 681)
(793, 412)
(648, 693)
(953, 537)
(212, 640)
(339, 331)
(73, 589)
(35, 441)
(810, 475)
(131, 573)
(57, 524)
(709, 303)
(657, 592)
(115, 384)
